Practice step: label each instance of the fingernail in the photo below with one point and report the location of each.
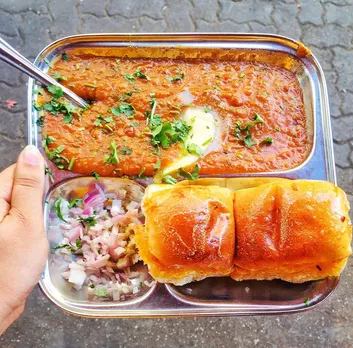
(31, 155)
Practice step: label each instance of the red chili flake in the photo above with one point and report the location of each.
(11, 103)
(343, 218)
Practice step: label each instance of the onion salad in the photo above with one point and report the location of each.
(98, 243)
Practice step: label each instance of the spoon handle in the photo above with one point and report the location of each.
(9, 55)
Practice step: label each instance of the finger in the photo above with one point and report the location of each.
(6, 182)
(28, 187)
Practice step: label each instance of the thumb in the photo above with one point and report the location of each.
(28, 187)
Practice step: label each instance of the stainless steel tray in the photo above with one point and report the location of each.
(217, 296)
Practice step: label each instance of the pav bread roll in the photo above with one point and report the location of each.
(188, 234)
(292, 230)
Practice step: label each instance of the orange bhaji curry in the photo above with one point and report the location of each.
(134, 125)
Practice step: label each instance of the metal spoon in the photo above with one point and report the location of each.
(9, 55)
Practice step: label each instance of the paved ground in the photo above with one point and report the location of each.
(325, 26)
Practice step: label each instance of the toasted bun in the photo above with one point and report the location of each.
(293, 230)
(188, 234)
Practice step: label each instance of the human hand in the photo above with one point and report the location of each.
(23, 243)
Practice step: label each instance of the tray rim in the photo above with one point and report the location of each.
(186, 38)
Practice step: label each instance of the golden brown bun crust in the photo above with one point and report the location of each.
(296, 231)
(189, 233)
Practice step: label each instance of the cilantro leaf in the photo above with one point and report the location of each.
(71, 164)
(113, 158)
(130, 78)
(157, 165)
(101, 292)
(141, 172)
(40, 121)
(78, 243)
(58, 77)
(103, 120)
(50, 174)
(66, 246)
(125, 151)
(176, 78)
(140, 74)
(74, 202)
(168, 179)
(47, 140)
(248, 141)
(55, 90)
(38, 91)
(89, 221)
(190, 176)
(95, 175)
(64, 56)
(195, 149)
(127, 109)
(268, 140)
(57, 208)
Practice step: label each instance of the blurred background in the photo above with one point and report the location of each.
(326, 27)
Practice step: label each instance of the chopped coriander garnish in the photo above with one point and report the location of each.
(276, 129)
(95, 175)
(74, 202)
(157, 165)
(98, 122)
(56, 91)
(268, 140)
(66, 246)
(154, 120)
(207, 141)
(130, 78)
(140, 74)
(78, 243)
(248, 141)
(168, 179)
(58, 77)
(195, 149)
(57, 208)
(47, 140)
(168, 133)
(125, 151)
(48, 63)
(141, 172)
(38, 91)
(241, 75)
(113, 157)
(176, 78)
(72, 162)
(64, 56)
(91, 85)
(56, 156)
(89, 221)
(258, 118)
(101, 292)
(190, 176)
(207, 109)
(37, 106)
(306, 302)
(134, 124)
(127, 109)
(240, 128)
(50, 174)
